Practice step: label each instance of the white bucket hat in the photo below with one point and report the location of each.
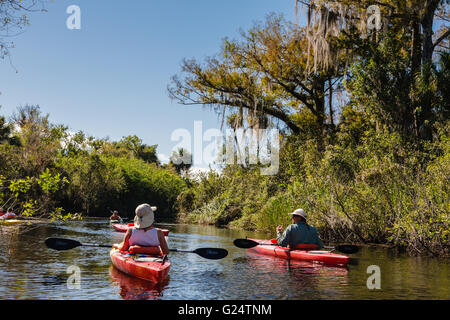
(299, 212)
(144, 216)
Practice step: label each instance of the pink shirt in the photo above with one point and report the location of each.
(148, 238)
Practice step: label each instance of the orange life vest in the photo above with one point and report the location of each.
(146, 250)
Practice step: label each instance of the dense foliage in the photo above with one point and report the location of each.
(48, 171)
(364, 124)
(363, 118)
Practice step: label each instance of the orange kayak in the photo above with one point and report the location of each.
(146, 267)
(267, 247)
(124, 227)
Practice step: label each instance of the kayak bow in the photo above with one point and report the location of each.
(151, 268)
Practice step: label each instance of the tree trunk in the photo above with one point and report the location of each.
(330, 102)
(319, 104)
(425, 130)
(416, 54)
(427, 27)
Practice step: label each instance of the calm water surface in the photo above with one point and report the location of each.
(29, 270)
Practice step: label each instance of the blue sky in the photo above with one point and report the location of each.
(110, 78)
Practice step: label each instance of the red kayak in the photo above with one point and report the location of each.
(7, 216)
(145, 267)
(124, 228)
(132, 288)
(268, 247)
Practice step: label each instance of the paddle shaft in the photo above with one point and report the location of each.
(181, 250)
(95, 245)
(108, 246)
(67, 244)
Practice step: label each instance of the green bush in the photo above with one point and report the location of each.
(99, 183)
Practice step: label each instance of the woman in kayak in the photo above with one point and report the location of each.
(144, 237)
(299, 234)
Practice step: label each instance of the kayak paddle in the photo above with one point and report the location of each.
(67, 244)
(208, 253)
(247, 244)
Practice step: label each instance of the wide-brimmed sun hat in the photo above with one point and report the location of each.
(299, 212)
(144, 216)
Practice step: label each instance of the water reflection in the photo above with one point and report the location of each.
(275, 278)
(29, 270)
(131, 288)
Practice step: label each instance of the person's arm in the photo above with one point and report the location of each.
(318, 240)
(283, 239)
(320, 244)
(163, 242)
(125, 244)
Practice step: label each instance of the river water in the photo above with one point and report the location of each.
(29, 270)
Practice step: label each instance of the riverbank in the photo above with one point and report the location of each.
(379, 192)
(331, 241)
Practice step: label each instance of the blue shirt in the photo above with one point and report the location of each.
(299, 233)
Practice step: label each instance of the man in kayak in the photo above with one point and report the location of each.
(299, 233)
(144, 237)
(9, 215)
(115, 216)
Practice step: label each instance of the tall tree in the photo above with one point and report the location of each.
(264, 74)
(39, 139)
(135, 147)
(345, 26)
(181, 160)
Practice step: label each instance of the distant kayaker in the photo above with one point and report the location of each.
(9, 215)
(115, 216)
(144, 237)
(299, 233)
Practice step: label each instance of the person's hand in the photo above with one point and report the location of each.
(132, 249)
(279, 229)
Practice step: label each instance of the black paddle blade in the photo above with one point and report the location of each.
(211, 253)
(61, 244)
(245, 243)
(346, 248)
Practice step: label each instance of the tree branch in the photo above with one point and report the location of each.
(441, 38)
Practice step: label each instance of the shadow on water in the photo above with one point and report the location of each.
(54, 280)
